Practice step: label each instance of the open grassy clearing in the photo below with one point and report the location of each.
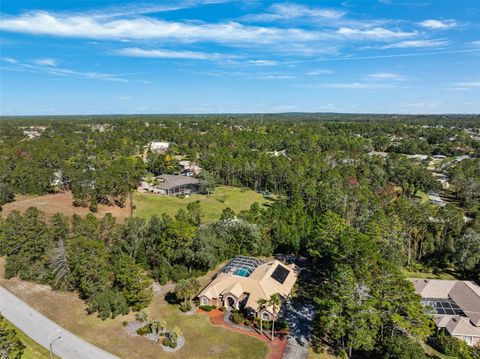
(202, 339)
(427, 275)
(238, 199)
(51, 204)
(33, 350)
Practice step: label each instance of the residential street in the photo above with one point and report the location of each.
(40, 328)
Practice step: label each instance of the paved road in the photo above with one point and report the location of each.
(40, 328)
(299, 317)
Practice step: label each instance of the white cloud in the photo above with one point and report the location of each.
(416, 43)
(438, 25)
(465, 86)
(289, 11)
(385, 76)
(353, 86)
(317, 72)
(169, 54)
(45, 62)
(9, 60)
(145, 28)
(475, 43)
(51, 70)
(262, 62)
(377, 33)
(275, 77)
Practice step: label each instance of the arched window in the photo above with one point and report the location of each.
(265, 316)
(204, 301)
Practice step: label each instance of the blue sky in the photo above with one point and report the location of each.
(220, 56)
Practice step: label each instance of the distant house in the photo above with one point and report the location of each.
(245, 280)
(418, 157)
(455, 305)
(378, 153)
(189, 168)
(159, 146)
(171, 185)
(435, 199)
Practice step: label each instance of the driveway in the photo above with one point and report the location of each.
(299, 317)
(40, 328)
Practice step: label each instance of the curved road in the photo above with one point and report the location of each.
(40, 328)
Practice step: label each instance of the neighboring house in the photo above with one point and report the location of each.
(245, 280)
(378, 153)
(442, 178)
(189, 168)
(418, 157)
(171, 185)
(159, 147)
(456, 306)
(435, 198)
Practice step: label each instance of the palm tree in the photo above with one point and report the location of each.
(175, 333)
(142, 315)
(163, 324)
(155, 326)
(262, 304)
(274, 302)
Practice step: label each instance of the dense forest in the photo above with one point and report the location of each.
(349, 200)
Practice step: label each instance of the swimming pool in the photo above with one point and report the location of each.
(242, 272)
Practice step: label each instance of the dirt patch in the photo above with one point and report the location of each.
(51, 204)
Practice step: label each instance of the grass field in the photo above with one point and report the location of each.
(148, 204)
(202, 339)
(426, 275)
(33, 350)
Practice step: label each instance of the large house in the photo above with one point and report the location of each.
(171, 185)
(455, 305)
(245, 280)
(159, 146)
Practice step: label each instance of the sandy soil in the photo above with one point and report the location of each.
(62, 202)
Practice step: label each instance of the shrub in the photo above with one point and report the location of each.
(167, 342)
(124, 323)
(214, 306)
(223, 308)
(248, 322)
(185, 308)
(451, 346)
(207, 308)
(281, 325)
(237, 318)
(144, 330)
(400, 347)
(267, 326)
(173, 344)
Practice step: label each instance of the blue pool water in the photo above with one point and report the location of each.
(242, 272)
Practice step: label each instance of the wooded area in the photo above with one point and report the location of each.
(353, 213)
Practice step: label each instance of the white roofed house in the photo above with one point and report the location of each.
(455, 305)
(159, 146)
(245, 280)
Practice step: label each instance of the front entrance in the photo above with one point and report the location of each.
(231, 302)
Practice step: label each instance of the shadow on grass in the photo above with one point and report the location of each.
(171, 298)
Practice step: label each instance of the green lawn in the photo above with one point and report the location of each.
(423, 196)
(148, 204)
(33, 350)
(447, 274)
